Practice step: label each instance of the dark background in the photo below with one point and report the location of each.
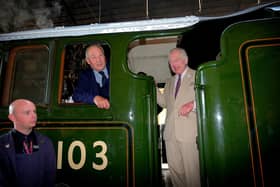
(18, 15)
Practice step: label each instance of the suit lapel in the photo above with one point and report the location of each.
(172, 87)
(188, 77)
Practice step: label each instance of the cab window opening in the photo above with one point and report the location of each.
(74, 64)
(149, 56)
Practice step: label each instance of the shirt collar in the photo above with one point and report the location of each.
(20, 135)
(183, 74)
(18, 138)
(105, 72)
(98, 76)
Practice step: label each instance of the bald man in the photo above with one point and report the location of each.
(181, 126)
(27, 158)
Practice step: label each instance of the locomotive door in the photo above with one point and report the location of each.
(260, 69)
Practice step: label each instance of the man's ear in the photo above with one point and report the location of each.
(11, 117)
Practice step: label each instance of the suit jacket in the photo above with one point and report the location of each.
(177, 127)
(87, 87)
(46, 154)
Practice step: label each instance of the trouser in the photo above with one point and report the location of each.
(183, 162)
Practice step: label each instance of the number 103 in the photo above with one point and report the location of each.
(82, 148)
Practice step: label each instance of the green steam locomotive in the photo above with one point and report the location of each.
(237, 58)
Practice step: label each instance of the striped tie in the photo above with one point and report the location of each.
(103, 77)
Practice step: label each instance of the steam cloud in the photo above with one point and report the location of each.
(16, 15)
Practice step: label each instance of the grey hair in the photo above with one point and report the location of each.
(182, 52)
(94, 45)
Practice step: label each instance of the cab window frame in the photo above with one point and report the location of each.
(73, 74)
(10, 74)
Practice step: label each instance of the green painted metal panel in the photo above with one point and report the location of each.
(262, 68)
(99, 154)
(232, 127)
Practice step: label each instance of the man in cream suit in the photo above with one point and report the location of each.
(181, 123)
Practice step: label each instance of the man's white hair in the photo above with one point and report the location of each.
(181, 50)
(94, 45)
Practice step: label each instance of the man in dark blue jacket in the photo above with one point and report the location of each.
(93, 84)
(27, 158)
